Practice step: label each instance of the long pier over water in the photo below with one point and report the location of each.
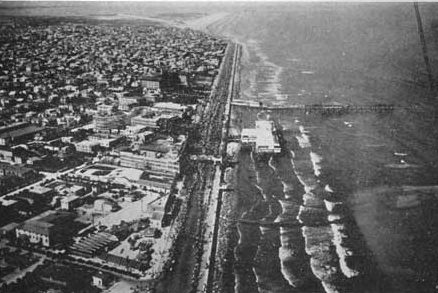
(316, 108)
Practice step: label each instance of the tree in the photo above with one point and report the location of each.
(23, 240)
(157, 233)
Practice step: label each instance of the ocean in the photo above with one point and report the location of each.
(355, 194)
(360, 186)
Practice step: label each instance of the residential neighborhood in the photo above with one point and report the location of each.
(96, 131)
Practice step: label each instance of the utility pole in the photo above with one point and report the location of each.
(423, 45)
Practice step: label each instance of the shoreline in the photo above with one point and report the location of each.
(227, 231)
(225, 277)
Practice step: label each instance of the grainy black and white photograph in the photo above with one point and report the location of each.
(218, 147)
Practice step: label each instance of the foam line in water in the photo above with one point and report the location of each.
(303, 141)
(339, 234)
(286, 255)
(316, 160)
(239, 242)
(330, 205)
(334, 217)
(309, 183)
(328, 188)
(329, 288)
(302, 129)
(271, 164)
(287, 188)
(254, 271)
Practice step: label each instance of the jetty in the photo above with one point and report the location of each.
(315, 108)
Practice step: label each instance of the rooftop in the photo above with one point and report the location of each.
(170, 105)
(19, 168)
(263, 135)
(40, 189)
(152, 177)
(22, 131)
(42, 223)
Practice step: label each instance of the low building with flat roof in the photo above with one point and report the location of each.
(109, 142)
(87, 146)
(19, 135)
(69, 189)
(17, 170)
(158, 183)
(47, 229)
(151, 120)
(262, 138)
(170, 108)
(70, 202)
(41, 191)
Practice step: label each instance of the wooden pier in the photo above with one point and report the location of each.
(336, 109)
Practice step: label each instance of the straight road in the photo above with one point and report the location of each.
(185, 275)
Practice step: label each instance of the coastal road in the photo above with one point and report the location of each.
(185, 275)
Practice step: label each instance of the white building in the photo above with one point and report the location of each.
(103, 206)
(170, 108)
(262, 138)
(70, 202)
(160, 156)
(86, 146)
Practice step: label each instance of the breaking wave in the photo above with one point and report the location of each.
(324, 233)
(316, 160)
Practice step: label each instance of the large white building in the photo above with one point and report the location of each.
(161, 156)
(170, 108)
(86, 146)
(262, 138)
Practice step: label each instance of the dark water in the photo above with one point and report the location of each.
(382, 236)
(364, 183)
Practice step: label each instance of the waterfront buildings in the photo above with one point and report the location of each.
(162, 156)
(262, 138)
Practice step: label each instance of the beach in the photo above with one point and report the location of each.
(352, 196)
